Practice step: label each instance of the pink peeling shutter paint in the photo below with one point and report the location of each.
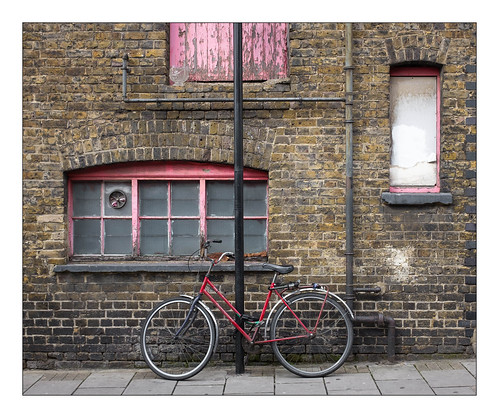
(206, 49)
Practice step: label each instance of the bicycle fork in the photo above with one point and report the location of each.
(191, 314)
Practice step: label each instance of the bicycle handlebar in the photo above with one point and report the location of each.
(209, 242)
(229, 254)
(225, 254)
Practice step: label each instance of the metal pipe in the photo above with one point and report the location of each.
(349, 297)
(125, 73)
(375, 289)
(230, 100)
(126, 70)
(382, 321)
(377, 318)
(238, 189)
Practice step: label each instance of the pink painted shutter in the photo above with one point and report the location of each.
(206, 49)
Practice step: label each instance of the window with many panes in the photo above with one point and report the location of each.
(162, 209)
(415, 124)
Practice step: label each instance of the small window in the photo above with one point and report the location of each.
(165, 209)
(415, 129)
(205, 50)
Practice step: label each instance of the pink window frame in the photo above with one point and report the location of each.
(102, 217)
(410, 71)
(162, 171)
(206, 49)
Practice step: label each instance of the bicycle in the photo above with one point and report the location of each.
(310, 329)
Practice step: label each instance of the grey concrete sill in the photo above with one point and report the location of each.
(416, 198)
(151, 267)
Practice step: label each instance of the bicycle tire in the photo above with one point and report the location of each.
(319, 353)
(177, 357)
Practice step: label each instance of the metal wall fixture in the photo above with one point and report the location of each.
(126, 99)
(377, 318)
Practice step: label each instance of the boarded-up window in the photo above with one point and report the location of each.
(206, 50)
(414, 98)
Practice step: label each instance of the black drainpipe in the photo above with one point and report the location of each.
(349, 297)
(377, 318)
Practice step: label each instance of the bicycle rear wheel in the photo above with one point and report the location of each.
(174, 345)
(326, 345)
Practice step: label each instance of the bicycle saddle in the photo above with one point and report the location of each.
(279, 269)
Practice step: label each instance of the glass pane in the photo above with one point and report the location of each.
(255, 235)
(414, 131)
(124, 206)
(86, 236)
(255, 198)
(153, 198)
(220, 198)
(185, 236)
(117, 236)
(221, 229)
(86, 198)
(185, 198)
(153, 236)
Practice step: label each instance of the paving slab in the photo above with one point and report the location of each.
(145, 374)
(254, 385)
(116, 391)
(448, 378)
(463, 390)
(29, 379)
(195, 390)
(108, 379)
(306, 387)
(470, 365)
(394, 372)
(207, 376)
(409, 387)
(425, 377)
(285, 376)
(53, 387)
(351, 384)
(150, 387)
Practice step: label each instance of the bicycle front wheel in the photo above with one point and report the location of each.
(317, 343)
(177, 345)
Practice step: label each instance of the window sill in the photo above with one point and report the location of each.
(152, 267)
(416, 198)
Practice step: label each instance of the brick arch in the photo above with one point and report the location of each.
(415, 48)
(205, 142)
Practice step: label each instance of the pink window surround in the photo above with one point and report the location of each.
(423, 72)
(162, 171)
(206, 50)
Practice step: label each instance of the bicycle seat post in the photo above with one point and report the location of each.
(274, 278)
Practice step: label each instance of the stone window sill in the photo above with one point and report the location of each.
(151, 267)
(416, 198)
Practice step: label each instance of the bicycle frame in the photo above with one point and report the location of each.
(207, 284)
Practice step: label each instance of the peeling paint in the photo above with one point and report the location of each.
(206, 49)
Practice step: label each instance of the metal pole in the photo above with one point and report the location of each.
(125, 73)
(230, 100)
(238, 189)
(349, 297)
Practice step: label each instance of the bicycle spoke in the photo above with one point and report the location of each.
(173, 354)
(325, 349)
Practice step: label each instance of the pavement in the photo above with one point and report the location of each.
(422, 377)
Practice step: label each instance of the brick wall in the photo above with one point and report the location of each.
(423, 257)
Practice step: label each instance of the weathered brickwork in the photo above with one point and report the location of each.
(423, 257)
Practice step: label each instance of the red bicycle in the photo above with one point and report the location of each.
(309, 328)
